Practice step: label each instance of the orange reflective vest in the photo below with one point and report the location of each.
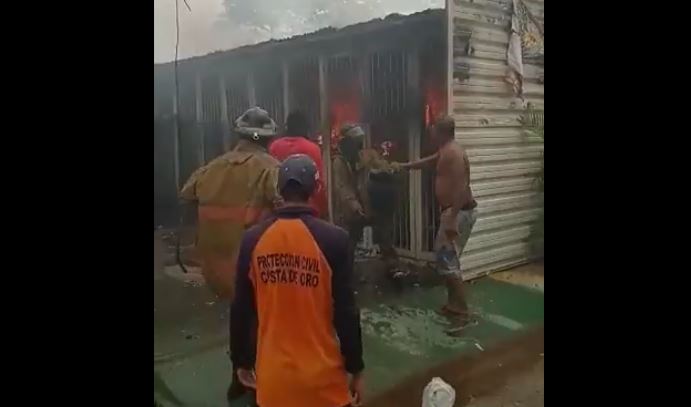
(295, 275)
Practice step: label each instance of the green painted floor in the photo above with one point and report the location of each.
(401, 335)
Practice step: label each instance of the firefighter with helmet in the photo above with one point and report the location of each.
(233, 192)
(359, 175)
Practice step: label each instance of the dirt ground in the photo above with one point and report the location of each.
(510, 374)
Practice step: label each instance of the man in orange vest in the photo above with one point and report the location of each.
(294, 280)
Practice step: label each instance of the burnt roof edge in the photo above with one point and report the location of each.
(321, 35)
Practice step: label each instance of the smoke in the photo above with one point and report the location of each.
(214, 25)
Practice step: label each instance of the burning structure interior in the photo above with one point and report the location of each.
(391, 75)
(386, 74)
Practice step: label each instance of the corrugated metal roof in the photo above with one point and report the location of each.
(504, 162)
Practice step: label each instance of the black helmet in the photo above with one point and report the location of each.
(298, 168)
(351, 130)
(255, 122)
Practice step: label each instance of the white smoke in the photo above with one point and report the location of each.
(214, 25)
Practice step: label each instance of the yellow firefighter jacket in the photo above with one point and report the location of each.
(233, 192)
(350, 184)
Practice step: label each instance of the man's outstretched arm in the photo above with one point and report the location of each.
(421, 163)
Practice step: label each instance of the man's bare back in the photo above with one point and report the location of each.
(452, 181)
(457, 212)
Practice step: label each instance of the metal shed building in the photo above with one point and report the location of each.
(389, 75)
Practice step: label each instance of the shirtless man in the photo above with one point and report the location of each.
(455, 197)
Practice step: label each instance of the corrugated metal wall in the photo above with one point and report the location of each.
(268, 85)
(389, 101)
(303, 90)
(503, 162)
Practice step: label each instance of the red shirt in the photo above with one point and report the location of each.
(284, 147)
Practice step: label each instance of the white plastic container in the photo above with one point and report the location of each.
(438, 393)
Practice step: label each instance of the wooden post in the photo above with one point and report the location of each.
(326, 131)
(286, 95)
(199, 117)
(414, 125)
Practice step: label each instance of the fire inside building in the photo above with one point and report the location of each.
(388, 75)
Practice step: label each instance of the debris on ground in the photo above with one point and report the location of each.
(399, 272)
(193, 283)
(189, 335)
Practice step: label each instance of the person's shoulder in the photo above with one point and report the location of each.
(273, 147)
(310, 143)
(265, 159)
(310, 147)
(335, 229)
(221, 160)
(254, 232)
(460, 150)
(212, 168)
(326, 230)
(452, 149)
(457, 145)
(281, 141)
(443, 151)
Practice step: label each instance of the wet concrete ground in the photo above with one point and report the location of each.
(401, 333)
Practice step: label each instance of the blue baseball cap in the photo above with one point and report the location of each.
(298, 168)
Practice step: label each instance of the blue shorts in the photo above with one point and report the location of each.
(448, 251)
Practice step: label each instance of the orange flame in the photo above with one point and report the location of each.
(435, 104)
(344, 109)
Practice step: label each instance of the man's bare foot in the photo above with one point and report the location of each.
(451, 312)
(459, 326)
